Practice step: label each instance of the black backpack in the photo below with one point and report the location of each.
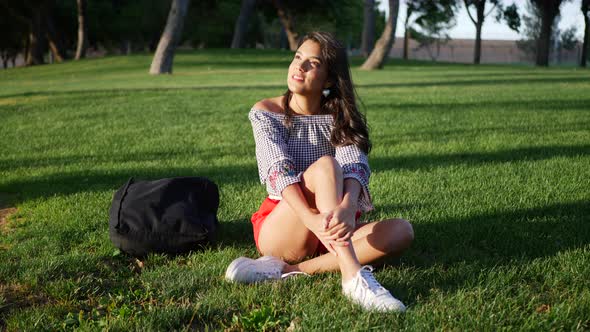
(173, 215)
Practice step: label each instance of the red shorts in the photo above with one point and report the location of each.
(265, 209)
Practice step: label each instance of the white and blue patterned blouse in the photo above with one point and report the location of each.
(284, 154)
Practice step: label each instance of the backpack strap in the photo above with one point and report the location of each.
(129, 182)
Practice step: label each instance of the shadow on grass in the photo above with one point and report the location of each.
(424, 162)
(125, 91)
(496, 238)
(461, 249)
(553, 105)
(477, 82)
(236, 234)
(84, 181)
(449, 83)
(106, 158)
(460, 134)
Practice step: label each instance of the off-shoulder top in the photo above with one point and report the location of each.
(283, 154)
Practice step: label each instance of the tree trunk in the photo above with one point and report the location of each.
(368, 28)
(383, 46)
(37, 42)
(288, 24)
(478, 25)
(586, 44)
(55, 43)
(477, 53)
(549, 10)
(26, 49)
(406, 43)
(480, 6)
(82, 37)
(162, 62)
(407, 32)
(241, 28)
(544, 39)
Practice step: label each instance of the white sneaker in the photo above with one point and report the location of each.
(247, 270)
(363, 289)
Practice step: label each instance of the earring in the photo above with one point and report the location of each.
(326, 92)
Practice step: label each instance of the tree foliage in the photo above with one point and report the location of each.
(428, 22)
(568, 39)
(11, 43)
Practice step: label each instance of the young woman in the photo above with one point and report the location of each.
(311, 147)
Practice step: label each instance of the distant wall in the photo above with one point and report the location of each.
(492, 51)
(456, 50)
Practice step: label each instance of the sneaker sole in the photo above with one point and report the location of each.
(400, 307)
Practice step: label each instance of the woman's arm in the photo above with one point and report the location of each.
(352, 191)
(355, 164)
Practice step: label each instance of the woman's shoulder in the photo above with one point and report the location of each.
(272, 105)
(267, 112)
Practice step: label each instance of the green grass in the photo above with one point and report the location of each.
(491, 164)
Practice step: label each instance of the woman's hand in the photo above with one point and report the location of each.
(318, 224)
(341, 225)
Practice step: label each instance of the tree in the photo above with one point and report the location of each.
(281, 23)
(43, 23)
(242, 23)
(549, 10)
(410, 9)
(586, 45)
(29, 15)
(54, 36)
(381, 51)
(162, 62)
(510, 14)
(11, 43)
(433, 15)
(82, 35)
(287, 20)
(368, 37)
(531, 32)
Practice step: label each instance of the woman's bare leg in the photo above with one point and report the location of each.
(371, 242)
(285, 236)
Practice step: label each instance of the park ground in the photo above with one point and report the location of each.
(490, 163)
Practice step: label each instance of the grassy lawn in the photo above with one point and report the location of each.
(491, 164)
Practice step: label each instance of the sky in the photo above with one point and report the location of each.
(465, 29)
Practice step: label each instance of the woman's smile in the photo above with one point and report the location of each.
(297, 78)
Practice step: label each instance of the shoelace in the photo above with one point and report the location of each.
(273, 272)
(294, 273)
(368, 279)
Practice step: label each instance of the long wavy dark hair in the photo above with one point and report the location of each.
(350, 125)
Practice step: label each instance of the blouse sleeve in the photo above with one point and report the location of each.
(355, 164)
(276, 168)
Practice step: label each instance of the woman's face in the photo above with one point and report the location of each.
(307, 72)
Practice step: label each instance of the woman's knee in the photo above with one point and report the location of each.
(327, 164)
(405, 231)
(398, 233)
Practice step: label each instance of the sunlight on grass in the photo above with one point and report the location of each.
(489, 163)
